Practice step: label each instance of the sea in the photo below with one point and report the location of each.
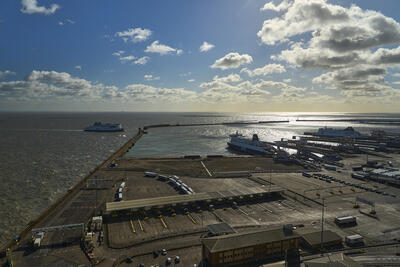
(43, 154)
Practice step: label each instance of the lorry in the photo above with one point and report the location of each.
(37, 239)
(346, 220)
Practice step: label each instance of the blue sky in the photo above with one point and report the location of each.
(145, 55)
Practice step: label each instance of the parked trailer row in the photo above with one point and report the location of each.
(181, 186)
(172, 180)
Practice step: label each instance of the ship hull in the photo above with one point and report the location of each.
(103, 130)
(248, 150)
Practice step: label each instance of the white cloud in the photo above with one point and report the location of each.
(31, 7)
(232, 60)
(62, 23)
(267, 69)
(396, 75)
(6, 73)
(134, 35)
(271, 85)
(78, 67)
(270, 6)
(246, 92)
(206, 47)
(141, 61)
(149, 77)
(396, 83)
(287, 80)
(147, 93)
(358, 78)
(191, 80)
(302, 16)
(162, 49)
(231, 78)
(127, 58)
(118, 53)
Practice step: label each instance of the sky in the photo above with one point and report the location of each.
(189, 55)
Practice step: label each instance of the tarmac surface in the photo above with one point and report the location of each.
(178, 228)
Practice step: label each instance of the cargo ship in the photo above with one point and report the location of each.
(251, 146)
(104, 127)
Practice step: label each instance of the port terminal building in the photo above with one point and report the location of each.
(239, 249)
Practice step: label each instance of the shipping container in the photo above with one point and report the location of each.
(330, 168)
(345, 220)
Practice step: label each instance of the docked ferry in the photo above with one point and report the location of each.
(330, 132)
(251, 146)
(104, 127)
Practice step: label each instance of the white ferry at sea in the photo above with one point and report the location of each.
(251, 146)
(331, 132)
(104, 127)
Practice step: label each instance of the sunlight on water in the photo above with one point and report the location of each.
(44, 154)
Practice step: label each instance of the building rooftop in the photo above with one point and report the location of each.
(220, 229)
(314, 238)
(246, 239)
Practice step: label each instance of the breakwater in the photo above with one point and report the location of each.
(212, 124)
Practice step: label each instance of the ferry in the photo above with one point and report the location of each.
(331, 132)
(251, 146)
(104, 127)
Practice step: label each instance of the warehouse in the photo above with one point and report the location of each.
(313, 239)
(239, 248)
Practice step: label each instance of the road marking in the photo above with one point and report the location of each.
(133, 227)
(242, 211)
(191, 218)
(140, 225)
(209, 173)
(264, 208)
(164, 224)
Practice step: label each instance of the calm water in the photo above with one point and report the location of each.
(44, 154)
